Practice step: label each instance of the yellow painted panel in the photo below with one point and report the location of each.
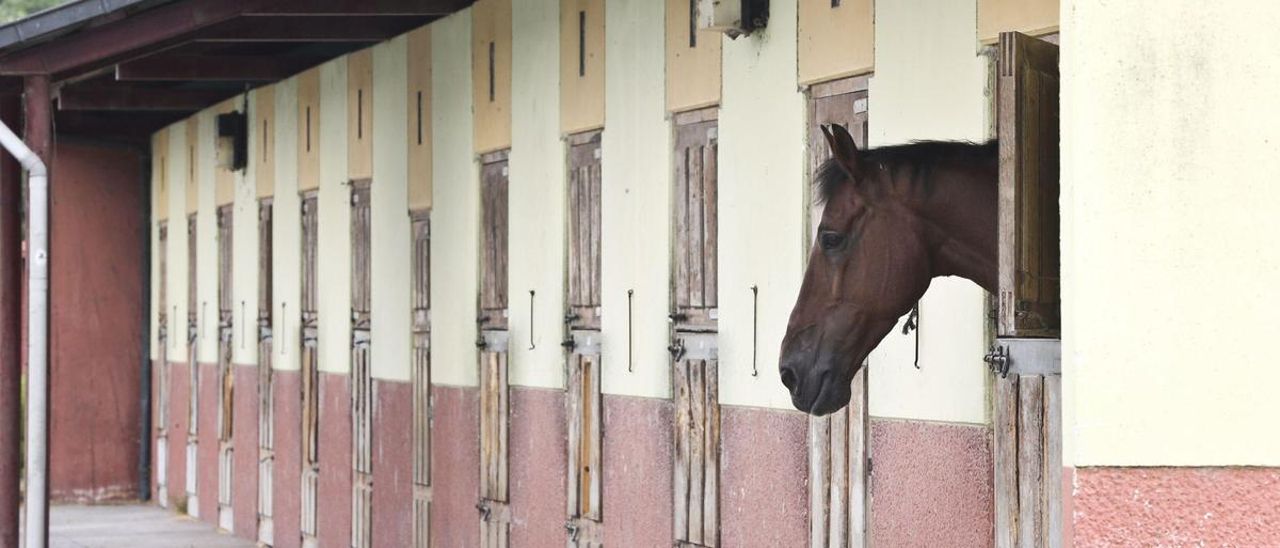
(835, 41)
(491, 74)
(360, 115)
(224, 180)
(309, 130)
(159, 174)
(693, 62)
(581, 65)
(193, 182)
(1028, 16)
(419, 133)
(263, 154)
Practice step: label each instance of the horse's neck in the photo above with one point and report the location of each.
(961, 212)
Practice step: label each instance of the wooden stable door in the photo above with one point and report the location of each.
(162, 369)
(838, 457)
(361, 374)
(495, 515)
(193, 378)
(1027, 403)
(420, 376)
(226, 369)
(695, 377)
(309, 342)
(583, 321)
(266, 379)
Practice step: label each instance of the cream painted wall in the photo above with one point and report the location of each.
(206, 242)
(1170, 149)
(389, 219)
(244, 254)
(635, 201)
(175, 175)
(153, 300)
(761, 206)
(930, 83)
(537, 197)
(456, 201)
(333, 260)
(286, 229)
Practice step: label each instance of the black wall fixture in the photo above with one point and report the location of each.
(233, 140)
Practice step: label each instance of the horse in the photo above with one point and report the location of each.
(895, 217)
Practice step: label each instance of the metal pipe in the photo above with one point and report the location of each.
(37, 496)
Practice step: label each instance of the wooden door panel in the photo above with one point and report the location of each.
(493, 240)
(694, 208)
(420, 374)
(584, 232)
(695, 378)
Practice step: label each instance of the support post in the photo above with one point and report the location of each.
(10, 327)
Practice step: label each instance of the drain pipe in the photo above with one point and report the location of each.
(37, 497)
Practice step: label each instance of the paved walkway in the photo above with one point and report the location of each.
(132, 526)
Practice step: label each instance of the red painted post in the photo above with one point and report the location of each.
(10, 327)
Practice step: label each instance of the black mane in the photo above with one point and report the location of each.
(919, 156)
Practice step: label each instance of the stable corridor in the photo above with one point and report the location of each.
(132, 526)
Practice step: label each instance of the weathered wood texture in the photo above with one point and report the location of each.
(495, 519)
(697, 451)
(493, 244)
(225, 323)
(162, 338)
(266, 403)
(361, 369)
(420, 375)
(310, 367)
(585, 475)
(1027, 123)
(838, 494)
(695, 225)
(584, 232)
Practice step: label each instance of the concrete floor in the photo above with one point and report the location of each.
(131, 526)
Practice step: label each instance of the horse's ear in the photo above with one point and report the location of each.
(843, 148)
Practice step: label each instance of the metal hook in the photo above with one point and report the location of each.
(531, 322)
(755, 329)
(630, 363)
(913, 324)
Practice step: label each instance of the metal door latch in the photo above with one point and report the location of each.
(676, 349)
(568, 343)
(485, 510)
(997, 360)
(572, 528)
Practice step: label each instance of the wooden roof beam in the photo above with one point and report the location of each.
(138, 99)
(360, 7)
(208, 68)
(308, 29)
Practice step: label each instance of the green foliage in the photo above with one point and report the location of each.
(12, 10)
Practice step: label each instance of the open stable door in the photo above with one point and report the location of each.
(495, 513)
(583, 322)
(838, 459)
(1026, 359)
(694, 352)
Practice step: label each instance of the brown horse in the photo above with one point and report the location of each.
(895, 218)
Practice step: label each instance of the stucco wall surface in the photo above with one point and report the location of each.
(389, 219)
(1169, 204)
(930, 83)
(333, 257)
(286, 228)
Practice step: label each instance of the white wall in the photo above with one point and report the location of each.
(537, 197)
(635, 200)
(1170, 149)
(286, 229)
(153, 300)
(176, 175)
(333, 260)
(455, 205)
(206, 242)
(761, 206)
(244, 254)
(930, 83)
(389, 203)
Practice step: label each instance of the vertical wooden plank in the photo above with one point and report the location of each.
(1030, 460)
(594, 181)
(575, 236)
(1005, 461)
(711, 455)
(697, 447)
(695, 236)
(1053, 461)
(681, 213)
(819, 479)
(680, 382)
(593, 434)
(709, 218)
(575, 435)
(504, 412)
(859, 435)
(840, 469)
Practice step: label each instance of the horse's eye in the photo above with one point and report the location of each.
(830, 240)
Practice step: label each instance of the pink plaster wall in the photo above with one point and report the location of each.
(286, 493)
(764, 469)
(930, 484)
(393, 464)
(637, 461)
(244, 436)
(455, 467)
(333, 505)
(1176, 506)
(179, 387)
(538, 460)
(207, 451)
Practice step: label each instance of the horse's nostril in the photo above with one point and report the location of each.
(789, 379)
